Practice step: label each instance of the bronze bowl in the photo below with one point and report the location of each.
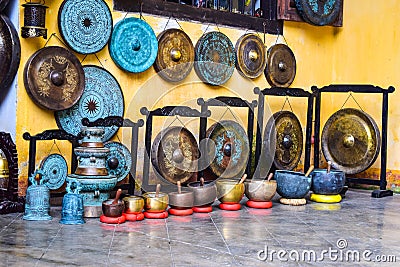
(181, 200)
(153, 203)
(229, 190)
(112, 210)
(203, 195)
(260, 190)
(133, 204)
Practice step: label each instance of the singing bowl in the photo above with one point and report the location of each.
(185, 199)
(155, 204)
(203, 195)
(229, 191)
(325, 183)
(133, 204)
(112, 210)
(260, 190)
(292, 184)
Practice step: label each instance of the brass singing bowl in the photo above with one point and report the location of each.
(260, 190)
(185, 199)
(133, 204)
(229, 190)
(155, 204)
(203, 195)
(112, 210)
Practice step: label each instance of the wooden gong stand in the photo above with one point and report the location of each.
(278, 91)
(368, 89)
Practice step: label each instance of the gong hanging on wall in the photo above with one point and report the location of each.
(119, 160)
(174, 154)
(55, 168)
(85, 25)
(250, 56)
(102, 97)
(133, 45)
(175, 55)
(281, 66)
(54, 78)
(283, 138)
(321, 12)
(215, 58)
(230, 152)
(351, 140)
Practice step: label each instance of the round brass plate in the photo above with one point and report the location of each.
(281, 66)
(251, 56)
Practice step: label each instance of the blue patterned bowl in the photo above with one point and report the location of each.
(325, 183)
(292, 184)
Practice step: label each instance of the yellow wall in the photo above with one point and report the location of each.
(365, 50)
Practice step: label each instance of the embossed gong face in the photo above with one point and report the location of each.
(119, 160)
(85, 25)
(281, 66)
(251, 56)
(215, 58)
(55, 168)
(54, 78)
(319, 12)
(175, 55)
(101, 98)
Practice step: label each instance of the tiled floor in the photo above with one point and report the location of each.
(336, 233)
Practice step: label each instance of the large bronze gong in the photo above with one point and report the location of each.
(251, 56)
(283, 137)
(174, 154)
(281, 66)
(54, 78)
(351, 140)
(231, 149)
(175, 55)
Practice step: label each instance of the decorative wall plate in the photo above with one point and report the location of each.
(101, 98)
(175, 55)
(55, 168)
(215, 58)
(133, 45)
(251, 56)
(85, 25)
(319, 12)
(119, 160)
(54, 78)
(281, 66)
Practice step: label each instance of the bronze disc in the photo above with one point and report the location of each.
(250, 56)
(230, 151)
(174, 154)
(175, 57)
(283, 133)
(281, 66)
(351, 140)
(54, 78)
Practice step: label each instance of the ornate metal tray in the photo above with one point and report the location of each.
(55, 168)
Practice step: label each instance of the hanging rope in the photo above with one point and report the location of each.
(96, 57)
(351, 95)
(230, 110)
(54, 34)
(284, 103)
(176, 119)
(51, 148)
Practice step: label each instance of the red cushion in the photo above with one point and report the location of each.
(230, 206)
(112, 220)
(259, 204)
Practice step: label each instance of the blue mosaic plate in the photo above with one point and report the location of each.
(55, 168)
(85, 25)
(214, 58)
(102, 97)
(119, 160)
(133, 45)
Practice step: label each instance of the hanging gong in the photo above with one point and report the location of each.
(55, 168)
(133, 45)
(3, 4)
(10, 53)
(174, 154)
(102, 97)
(250, 56)
(283, 137)
(351, 140)
(85, 25)
(119, 160)
(175, 55)
(214, 58)
(231, 153)
(54, 78)
(321, 12)
(281, 66)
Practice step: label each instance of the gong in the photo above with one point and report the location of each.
(319, 12)
(230, 152)
(351, 140)
(281, 66)
(85, 25)
(174, 154)
(55, 168)
(54, 78)
(251, 56)
(283, 138)
(119, 160)
(175, 55)
(3, 4)
(214, 58)
(102, 97)
(133, 45)
(10, 53)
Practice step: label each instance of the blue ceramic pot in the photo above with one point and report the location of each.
(325, 183)
(292, 184)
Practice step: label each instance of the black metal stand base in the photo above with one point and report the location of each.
(381, 193)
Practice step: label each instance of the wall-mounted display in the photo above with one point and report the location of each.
(251, 56)
(281, 66)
